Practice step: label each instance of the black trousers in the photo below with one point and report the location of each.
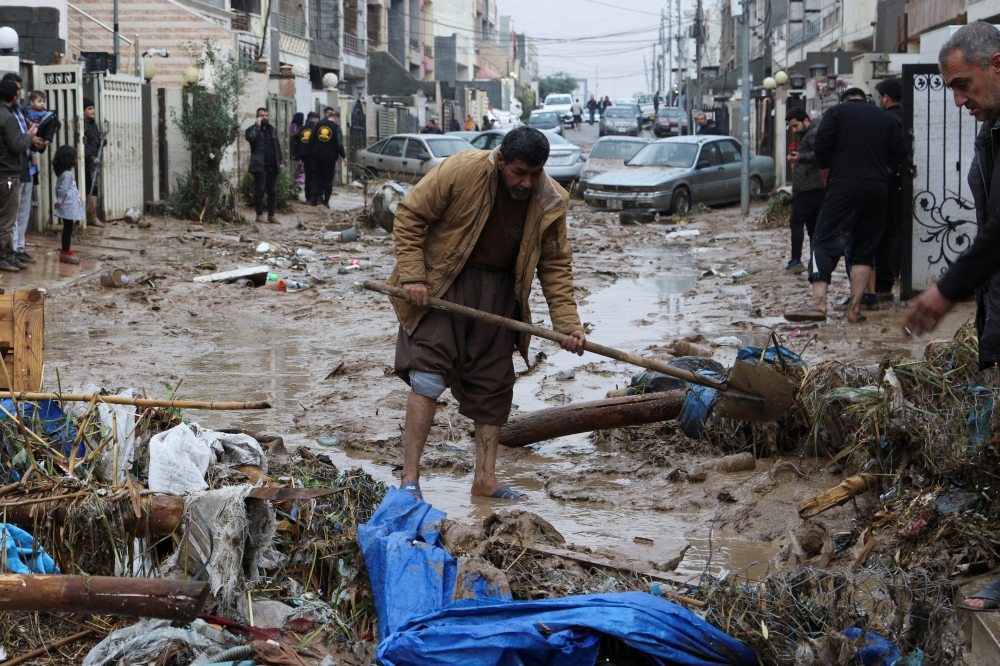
(265, 180)
(851, 217)
(805, 212)
(887, 259)
(309, 169)
(67, 233)
(325, 170)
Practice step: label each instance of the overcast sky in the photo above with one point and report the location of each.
(613, 63)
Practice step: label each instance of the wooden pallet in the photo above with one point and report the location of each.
(22, 335)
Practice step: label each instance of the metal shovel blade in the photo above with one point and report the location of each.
(755, 394)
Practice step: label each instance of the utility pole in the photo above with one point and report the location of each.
(699, 47)
(116, 36)
(682, 66)
(670, 62)
(745, 110)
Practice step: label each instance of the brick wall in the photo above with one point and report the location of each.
(37, 29)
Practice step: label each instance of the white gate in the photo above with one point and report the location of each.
(62, 85)
(120, 117)
(940, 221)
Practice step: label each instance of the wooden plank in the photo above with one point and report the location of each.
(29, 334)
(233, 274)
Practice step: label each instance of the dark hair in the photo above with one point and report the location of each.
(328, 109)
(11, 76)
(36, 94)
(8, 91)
(852, 93)
(87, 103)
(892, 88)
(297, 118)
(64, 159)
(263, 108)
(312, 114)
(798, 113)
(526, 144)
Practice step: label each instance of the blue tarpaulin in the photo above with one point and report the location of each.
(54, 424)
(413, 580)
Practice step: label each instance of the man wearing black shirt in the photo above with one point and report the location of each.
(265, 163)
(890, 96)
(329, 147)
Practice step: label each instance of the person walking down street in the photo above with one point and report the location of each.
(487, 123)
(702, 122)
(577, 112)
(887, 259)
(475, 231)
(857, 145)
(91, 160)
(591, 109)
(298, 120)
(431, 128)
(266, 162)
(656, 102)
(27, 184)
(14, 144)
(68, 205)
(607, 104)
(970, 66)
(807, 186)
(327, 151)
(470, 124)
(454, 126)
(305, 140)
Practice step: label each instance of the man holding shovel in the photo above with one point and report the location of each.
(475, 231)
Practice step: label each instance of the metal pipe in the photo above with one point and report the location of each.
(745, 109)
(117, 46)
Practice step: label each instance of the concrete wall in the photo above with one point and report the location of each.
(41, 30)
(387, 77)
(445, 59)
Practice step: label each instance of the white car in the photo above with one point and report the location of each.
(516, 109)
(561, 104)
(504, 120)
(645, 103)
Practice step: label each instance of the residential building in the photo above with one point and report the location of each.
(454, 38)
(340, 35)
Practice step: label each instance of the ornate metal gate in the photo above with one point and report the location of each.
(940, 220)
(359, 136)
(64, 95)
(120, 115)
(281, 109)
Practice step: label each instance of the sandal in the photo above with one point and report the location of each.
(508, 493)
(860, 319)
(808, 313)
(414, 489)
(991, 595)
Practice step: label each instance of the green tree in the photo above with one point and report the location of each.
(560, 82)
(209, 121)
(527, 100)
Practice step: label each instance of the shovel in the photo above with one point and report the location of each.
(750, 393)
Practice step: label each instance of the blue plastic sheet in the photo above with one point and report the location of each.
(52, 420)
(753, 355)
(874, 650)
(21, 555)
(414, 579)
(697, 404)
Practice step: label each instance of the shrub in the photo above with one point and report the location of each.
(286, 190)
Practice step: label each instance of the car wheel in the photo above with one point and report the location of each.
(680, 202)
(755, 187)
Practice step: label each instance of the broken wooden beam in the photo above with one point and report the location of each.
(135, 402)
(843, 493)
(161, 514)
(104, 595)
(589, 416)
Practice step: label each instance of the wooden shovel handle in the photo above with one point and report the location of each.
(548, 334)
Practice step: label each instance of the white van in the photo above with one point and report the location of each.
(561, 104)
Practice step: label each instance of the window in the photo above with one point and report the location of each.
(544, 117)
(619, 112)
(482, 141)
(246, 6)
(447, 147)
(730, 152)
(710, 152)
(615, 150)
(413, 148)
(666, 154)
(377, 148)
(558, 99)
(394, 148)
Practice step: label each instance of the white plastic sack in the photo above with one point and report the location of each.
(121, 417)
(179, 457)
(145, 641)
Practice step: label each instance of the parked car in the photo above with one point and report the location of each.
(488, 140)
(503, 119)
(619, 120)
(546, 120)
(632, 104)
(409, 157)
(565, 159)
(561, 104)
(671, 175)
(608, 154)
(670, 121)
(647, 108)
(463, 134)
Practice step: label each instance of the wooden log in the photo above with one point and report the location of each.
(161, 514)
(49, 647)
(588, 416)
(843, 493)
(137, 402)
(104, 595)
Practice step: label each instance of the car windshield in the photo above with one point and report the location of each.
(544, 117)
(666, 154)
(671, 113)
(556, 140)
(561, 99)
(616, 150)
(447, 146)
(620, 112)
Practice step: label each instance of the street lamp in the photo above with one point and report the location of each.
(190, 75)
(781, 78)
(817, 71)
(8, 40)
(769, 83)
(880, 67)
(148, 70)
(831, 82)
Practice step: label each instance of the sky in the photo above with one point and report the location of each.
(603, 41)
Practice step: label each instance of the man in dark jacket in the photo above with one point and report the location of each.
(857, 146)
(328, 148)
(14, 143)
(887, 260)
(305, 139)
(91, 159)
(266, 162)
(807, 185)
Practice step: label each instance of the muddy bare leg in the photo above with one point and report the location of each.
(484, 481)
(859, 282)
(819, 294)
(419, 417)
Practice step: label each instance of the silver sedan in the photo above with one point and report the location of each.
(670, 175)
(408, 157)
(565, 159)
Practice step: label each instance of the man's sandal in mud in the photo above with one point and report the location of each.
(990, 594)
(809, 313)
(507, 493)
(414, 489)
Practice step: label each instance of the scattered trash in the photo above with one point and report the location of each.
(728, 341)
(256, 274)
(116, 277)
(305, 252)
(21, 554)
(330, 439)
(798, 333)
(957, 501)
(563, 375)
(739, 462)
(682, 233)
(265, 247)
(245, 282)
(291, 286)
(345, 236)
(629, 217)
(739, 274)
(133, 215)
(384, 201)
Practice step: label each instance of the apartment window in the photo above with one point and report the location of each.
(351, 17)
(246, 6)
(832, 19)
(374, 24)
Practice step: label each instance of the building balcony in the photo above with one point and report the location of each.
(354, 45)
(922, 15)
(241, 22)
(428, 51)
(291, 25)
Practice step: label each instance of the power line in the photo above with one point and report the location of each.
(628, 9)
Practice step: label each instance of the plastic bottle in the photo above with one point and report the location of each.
(344, 270)
(363, 263)
(303, 252)
(292, 285)
(738, 274)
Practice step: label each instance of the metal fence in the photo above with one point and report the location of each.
(62, 85)
(940, 219)
(120, 109)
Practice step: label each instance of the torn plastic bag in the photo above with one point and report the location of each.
(753, 355)
(697, 405)
(21, 554)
